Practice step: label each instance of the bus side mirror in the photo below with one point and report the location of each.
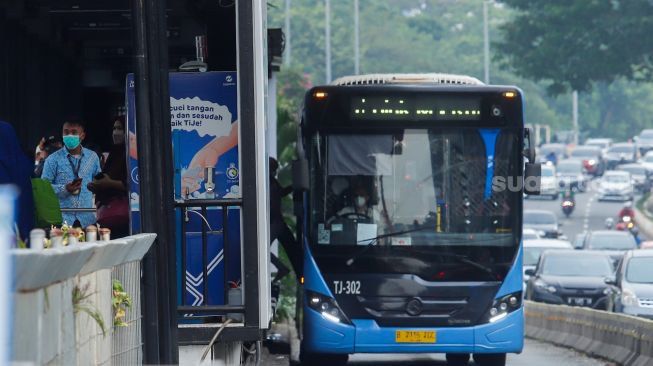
(300, 175)
(532, 178)
(529, 146)
(529, 272)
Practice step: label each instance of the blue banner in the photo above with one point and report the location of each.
(204, 126)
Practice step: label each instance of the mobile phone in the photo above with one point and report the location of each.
(77, 180)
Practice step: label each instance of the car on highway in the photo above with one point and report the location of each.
(647, 161)
(592, 159)
(645, 141)
(542, 221)
(560, 151)
(549, 182)
(613, 242)
(579, 240)
(632, 284)
(640, 176)
(534, 247)
(616, 185)
(622, 153)
(603, 143)
(570, 173)
(529, 234)
(570, 277)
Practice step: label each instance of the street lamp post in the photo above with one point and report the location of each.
(327, 15)
(356, 40)
(574, 112)
(486, 44)
(287, 35)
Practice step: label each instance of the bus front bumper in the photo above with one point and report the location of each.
(365, 336)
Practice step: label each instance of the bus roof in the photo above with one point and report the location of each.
(429, 78)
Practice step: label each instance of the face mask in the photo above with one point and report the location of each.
(360, 201)
(118, 137)
(71, 141)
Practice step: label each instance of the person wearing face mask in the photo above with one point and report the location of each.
(69, 170)
(361, 205)
(110, 187)
(362, 208)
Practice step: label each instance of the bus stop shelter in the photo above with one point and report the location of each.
(69, 58)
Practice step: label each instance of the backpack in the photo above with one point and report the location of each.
(47, 211)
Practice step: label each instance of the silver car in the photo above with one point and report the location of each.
(616, 185)
(632, 286)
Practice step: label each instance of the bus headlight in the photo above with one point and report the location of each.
(326, 306)
(504, 306)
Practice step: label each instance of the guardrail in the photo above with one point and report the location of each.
(619, 338)
(58, 291)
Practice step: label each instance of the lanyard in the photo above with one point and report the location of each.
(72, 165)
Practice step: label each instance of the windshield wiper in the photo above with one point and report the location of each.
(465, 259)
(373, 241)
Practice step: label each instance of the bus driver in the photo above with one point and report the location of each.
(364, 211)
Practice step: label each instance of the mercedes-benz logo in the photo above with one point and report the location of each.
(414, 307)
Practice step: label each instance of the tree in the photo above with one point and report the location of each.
(413, 36)
(575, 43)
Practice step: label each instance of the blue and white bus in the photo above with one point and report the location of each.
(412, 218)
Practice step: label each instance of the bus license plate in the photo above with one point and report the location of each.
(415, 336)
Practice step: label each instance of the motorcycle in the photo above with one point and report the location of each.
(568, 207)
(627, 222)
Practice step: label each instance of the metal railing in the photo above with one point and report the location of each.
(194, 329)
(127, 343)
(204, 205)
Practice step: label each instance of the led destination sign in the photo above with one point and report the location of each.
(415, 108)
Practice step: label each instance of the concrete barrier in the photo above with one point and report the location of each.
(623, 339)
(45, 328)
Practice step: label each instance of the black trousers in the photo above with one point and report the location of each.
(280, 231)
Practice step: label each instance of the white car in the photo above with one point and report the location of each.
(530, 234)
(549, 182)
(616, 185)
(645, 141)
(647, 161)
(603, 143)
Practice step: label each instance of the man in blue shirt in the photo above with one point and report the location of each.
(69, 170)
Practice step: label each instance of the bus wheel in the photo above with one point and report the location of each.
(323, 359)
(457, 359)
(490, 359)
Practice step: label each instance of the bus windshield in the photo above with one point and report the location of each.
(415, 188)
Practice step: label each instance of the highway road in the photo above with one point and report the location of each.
(589, 214)
(535, 354)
